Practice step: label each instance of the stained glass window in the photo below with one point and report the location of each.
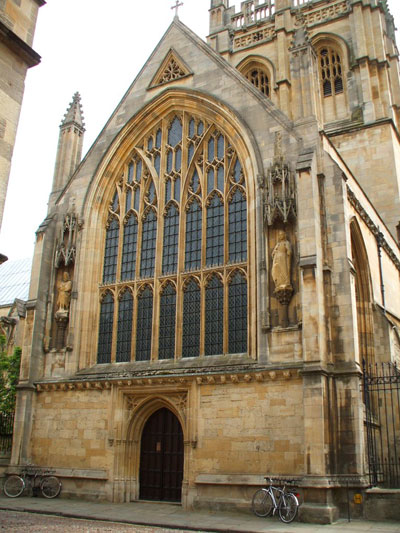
(105, 329)
(144, 325)
(166, 348)
(124, 337)
(214, 317)
(237, 228)
(111, 252)
(128, 264)
(237, 315)
(148, 245)
(215, 232)
(191, 320)
(183, 180)
(171, 235)
(193, 237)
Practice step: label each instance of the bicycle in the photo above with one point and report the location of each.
(34, 479)
(269, 500)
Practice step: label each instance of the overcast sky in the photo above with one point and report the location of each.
(96, 47)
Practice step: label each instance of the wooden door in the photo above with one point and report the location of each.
(161, 458)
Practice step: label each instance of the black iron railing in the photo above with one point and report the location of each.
(6, 433)
(382, 417)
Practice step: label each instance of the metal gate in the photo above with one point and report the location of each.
(6, 433)
(382, 417)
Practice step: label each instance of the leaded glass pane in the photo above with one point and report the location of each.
(111, 252)
(130, 172)
(221, 178)
(211, 150)
(237, 171)
(144, 325)
(220, 147)
(200, 128)
(152, 192)
(215, 233)
(166, 347)
(124, 336)
(195, 182)
(138, 171)
(238, 315)
(158, 139)
(128, 199)
(177, 189)
(105, 330)
(150, 143)
(191, 321)
(115, 202)
(190, 153)
(171, 235)
(157, 161)
(175, 132)
(148, 245)
(193, 237)
(237, 228)
(210, 180)
(178, 159)
(169, 161)
(168, 191)
(128, 265)
(137, 199)
(191, 128)
(214, 333)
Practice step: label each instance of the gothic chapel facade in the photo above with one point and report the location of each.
(212, 275)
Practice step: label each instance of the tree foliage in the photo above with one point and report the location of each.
(9, 376)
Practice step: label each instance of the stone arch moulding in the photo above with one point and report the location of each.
(337, 41)
(110, 169)
(137, 409)
(259, 62)
(363, 289)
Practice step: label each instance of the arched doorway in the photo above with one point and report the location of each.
(161, 458)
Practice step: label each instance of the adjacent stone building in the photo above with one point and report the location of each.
(17, 28)
(212, 275)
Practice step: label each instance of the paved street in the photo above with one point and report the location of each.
(18, 522)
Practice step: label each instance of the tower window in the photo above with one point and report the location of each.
(259, 78)
(330, 65)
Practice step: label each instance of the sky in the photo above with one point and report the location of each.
(95, 49)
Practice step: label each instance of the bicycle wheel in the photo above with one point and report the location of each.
(288, 507)
(261, 503)
(50, 486)
(14, 486)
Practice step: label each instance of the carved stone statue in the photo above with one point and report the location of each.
(281, 269)
(64, 294)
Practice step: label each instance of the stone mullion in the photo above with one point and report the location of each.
(115, 324)
(202, 313)
(134, 325)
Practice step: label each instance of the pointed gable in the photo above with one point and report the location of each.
(172, 68)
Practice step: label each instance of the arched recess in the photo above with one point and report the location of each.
(333, 65)
(261, 73)
(363, 294)
(122, 158)
(138, 409)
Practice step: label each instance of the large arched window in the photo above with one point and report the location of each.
(176, 247)
(255, 69)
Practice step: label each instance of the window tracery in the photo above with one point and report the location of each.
(177, 232)
(330, 65)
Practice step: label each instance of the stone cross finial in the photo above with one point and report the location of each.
(177, 6)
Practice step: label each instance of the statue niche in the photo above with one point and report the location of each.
(280, 214)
